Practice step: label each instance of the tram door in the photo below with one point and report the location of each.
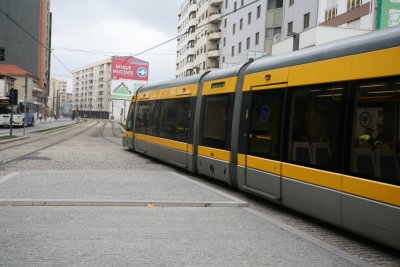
(263, 168)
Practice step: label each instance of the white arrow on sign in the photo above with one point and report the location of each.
(142, 72)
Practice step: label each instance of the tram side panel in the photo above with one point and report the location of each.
(165, 125)
(339, 157)
(169, 128)
(214, 140)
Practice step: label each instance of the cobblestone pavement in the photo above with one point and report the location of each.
(88, 163)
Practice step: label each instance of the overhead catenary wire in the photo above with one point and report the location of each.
(106, 53)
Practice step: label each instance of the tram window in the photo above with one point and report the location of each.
(265, 123)
(182, 120)
(142, 118)
(215, 118)
(376, 133)
(129, 121)
(314, 127)
(154, 118)
(167, 119)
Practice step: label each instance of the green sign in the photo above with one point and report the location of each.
(121, 91)
(388, 14)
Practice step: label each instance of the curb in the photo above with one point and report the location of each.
(120, 203)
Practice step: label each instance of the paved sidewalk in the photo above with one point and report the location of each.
(69, 218)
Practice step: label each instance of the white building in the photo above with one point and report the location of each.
(198, 47)
(243, 31)
(91, 89)
(308, 23)
(248, 29)
(57, 97)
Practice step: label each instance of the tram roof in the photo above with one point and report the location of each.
(172, 83)
(223, 73)
(377, 40)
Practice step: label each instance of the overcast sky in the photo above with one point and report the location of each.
(120, 27)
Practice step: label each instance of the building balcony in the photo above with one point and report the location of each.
(192, 22)
(215, 35)
(215, 17)
(213, 53)
(216, 3)
(190, 51)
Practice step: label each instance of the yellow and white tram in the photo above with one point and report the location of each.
(316, 130)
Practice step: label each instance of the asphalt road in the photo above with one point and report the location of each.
(76, 197)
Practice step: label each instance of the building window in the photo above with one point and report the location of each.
(290, 28)
(271, 32)
(258, 11)
(257, 37)
(291, 2)
(223, 59)
(274, 4)
(233, 28)
(241, 24)
(249, 18)
(226, 3)
(240, 47)
(233, 51)
(234, 6)
(306, 23)
(224, 41)
(248, 43)
(241, 2)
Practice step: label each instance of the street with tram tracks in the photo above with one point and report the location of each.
(76, 197)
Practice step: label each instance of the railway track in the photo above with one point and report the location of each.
(54, 139)
(38, 138)
(101, 134)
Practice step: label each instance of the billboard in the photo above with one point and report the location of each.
(127, 75)
(388, 13)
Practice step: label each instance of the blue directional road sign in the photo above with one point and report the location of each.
(142, 72)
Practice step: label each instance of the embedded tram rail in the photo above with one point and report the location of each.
(10, 153)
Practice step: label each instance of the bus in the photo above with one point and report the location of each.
(24, 112)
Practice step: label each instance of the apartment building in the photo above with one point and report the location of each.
(57, 97)
(198, 47)
(243, 31)
(91, 89)
(312, 22)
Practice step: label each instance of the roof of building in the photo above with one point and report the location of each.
(13, 70)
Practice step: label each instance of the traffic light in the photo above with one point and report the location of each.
(13, 96)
